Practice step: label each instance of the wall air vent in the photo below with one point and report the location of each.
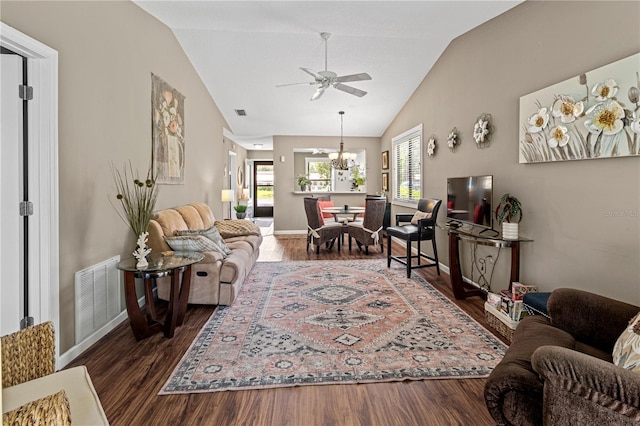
(241, 112)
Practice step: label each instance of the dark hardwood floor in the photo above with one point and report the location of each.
(128, 375)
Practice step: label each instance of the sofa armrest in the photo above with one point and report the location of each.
(576, 384)
(592, 319)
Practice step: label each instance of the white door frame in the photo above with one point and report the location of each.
(43, 170)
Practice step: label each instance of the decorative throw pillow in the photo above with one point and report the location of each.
(324, 204)
(626, 352)
(237, 228)
(50, 410)
(193, 243)
(419, 216)
(213, 234)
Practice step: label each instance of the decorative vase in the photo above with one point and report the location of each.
(509, 231)
(142, 251)
(241, 215)
(303, 188)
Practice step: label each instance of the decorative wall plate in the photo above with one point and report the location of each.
(453, 140)
(431, 146)
(482, 130)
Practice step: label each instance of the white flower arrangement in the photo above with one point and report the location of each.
(431, 146)
(452, 139)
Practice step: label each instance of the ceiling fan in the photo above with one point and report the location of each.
(325, 79)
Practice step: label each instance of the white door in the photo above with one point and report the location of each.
(11, 248)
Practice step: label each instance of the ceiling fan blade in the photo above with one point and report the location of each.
(351, 90)
(353, 77)
(311, 73)
(318, 93)
(296, 84)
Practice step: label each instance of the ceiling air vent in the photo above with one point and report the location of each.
(241, 112)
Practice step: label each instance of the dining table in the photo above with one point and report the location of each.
(344, 211)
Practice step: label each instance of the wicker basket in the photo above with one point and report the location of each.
(500, 322)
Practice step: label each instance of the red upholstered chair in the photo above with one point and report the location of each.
(323, 204)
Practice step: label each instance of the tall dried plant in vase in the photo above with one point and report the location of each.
(137, 198)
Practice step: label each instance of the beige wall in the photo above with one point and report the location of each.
(486, 70)
(288, 213)
(107, 52)
(260, 155)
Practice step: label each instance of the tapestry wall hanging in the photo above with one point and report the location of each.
(593, 115)
(167, 109)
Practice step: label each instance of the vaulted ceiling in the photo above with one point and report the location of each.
(243, 49)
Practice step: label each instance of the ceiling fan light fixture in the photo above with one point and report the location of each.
(325, 79)
(342, 160)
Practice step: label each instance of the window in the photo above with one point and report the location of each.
(319, 172)
(406, 159)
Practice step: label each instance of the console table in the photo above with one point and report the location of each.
(461, 289)
(160, 265)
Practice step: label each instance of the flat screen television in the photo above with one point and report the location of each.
(470, 200)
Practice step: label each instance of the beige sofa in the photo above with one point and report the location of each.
(217, 279)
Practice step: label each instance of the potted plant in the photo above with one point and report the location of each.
(303, 181)
(509, 214)
(241, 211)
(137, 198)
(358, 178)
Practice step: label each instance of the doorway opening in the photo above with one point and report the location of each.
(41, 247)
(263, 188)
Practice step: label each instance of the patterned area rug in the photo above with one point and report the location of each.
(333, 322)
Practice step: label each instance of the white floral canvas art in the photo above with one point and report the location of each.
(593, 115)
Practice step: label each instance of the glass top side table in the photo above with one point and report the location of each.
(160, 265)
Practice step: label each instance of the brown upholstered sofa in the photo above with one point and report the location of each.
(559, 371)
(217, 279)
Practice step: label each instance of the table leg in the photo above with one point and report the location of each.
(174, 300)
(461, 290)
(515, 263)
(150, 304)
(138, 322)
(184, 294)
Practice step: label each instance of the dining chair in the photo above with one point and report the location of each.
(418, 227)
(387, 217)
(319, 232)
(368, 232)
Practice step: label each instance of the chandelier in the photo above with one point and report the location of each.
(342, 160)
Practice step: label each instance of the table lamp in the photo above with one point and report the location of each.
(227, 197)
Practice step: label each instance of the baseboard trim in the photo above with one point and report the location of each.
(76, 350)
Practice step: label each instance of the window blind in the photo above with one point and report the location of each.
(407, 161)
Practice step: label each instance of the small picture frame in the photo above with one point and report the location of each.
(385, 160)
(385, 182)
